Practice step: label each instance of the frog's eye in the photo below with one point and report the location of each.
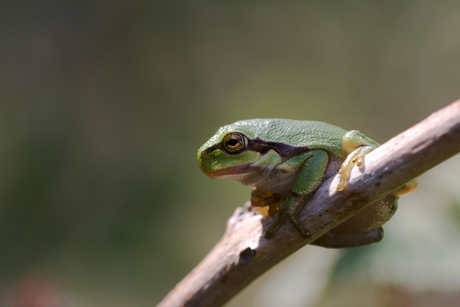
(235, 142)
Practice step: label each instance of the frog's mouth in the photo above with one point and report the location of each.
(236, 171)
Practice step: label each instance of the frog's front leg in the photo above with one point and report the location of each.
(313, 165)
(288, 209)
(355, 146)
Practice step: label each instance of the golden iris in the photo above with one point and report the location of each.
(235, 142)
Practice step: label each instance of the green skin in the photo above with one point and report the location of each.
(285, 161)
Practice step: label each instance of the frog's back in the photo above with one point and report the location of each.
(299, 133)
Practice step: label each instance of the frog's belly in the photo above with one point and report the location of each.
(282, 183)
(278, 183)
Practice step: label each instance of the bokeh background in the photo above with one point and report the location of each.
(103, 106)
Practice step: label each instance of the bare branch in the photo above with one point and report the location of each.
(243, 253)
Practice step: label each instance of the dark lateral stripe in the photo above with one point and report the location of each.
(285, 151)
(214, 147)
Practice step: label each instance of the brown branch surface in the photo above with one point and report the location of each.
(243, 253)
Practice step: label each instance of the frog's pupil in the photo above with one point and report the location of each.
(232, 142)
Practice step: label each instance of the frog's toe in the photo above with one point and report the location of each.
(355, 157)
(342, 182)
(406, 188)
(271, 230)
(295, 222)
(361, 152)
(273, 208)
(274, 226)
(269, 233)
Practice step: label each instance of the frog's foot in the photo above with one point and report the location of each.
(406, 188)
(283, 212)
(339, 240)
(355, 157)
(274, 226)
(261, 198)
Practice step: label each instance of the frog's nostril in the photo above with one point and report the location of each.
(203, 153)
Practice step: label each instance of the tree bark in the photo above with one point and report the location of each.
(243, 253)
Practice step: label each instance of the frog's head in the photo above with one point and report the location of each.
(239, 150)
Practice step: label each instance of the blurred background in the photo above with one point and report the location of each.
(103, 106)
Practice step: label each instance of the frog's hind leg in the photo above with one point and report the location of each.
(338, 240)
(260, 198)
(363, 228)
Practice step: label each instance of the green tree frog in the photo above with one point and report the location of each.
(285, 161)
